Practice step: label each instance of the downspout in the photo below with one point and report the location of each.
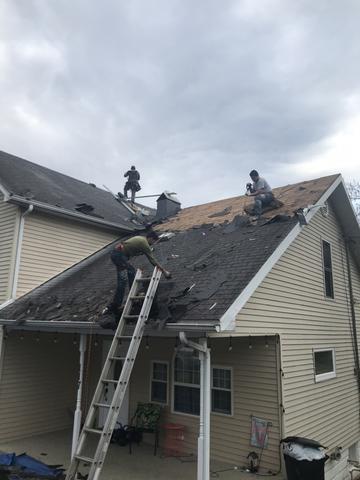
(78, 413)
(203, 461)
(18, 252)
(352, 311)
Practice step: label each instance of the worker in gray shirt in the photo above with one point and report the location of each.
(261, 190)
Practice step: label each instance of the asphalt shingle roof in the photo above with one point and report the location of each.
(34, 182)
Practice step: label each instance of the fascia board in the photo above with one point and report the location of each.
(67, 213)
(227, 321)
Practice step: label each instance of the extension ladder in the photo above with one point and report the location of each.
(89, 430)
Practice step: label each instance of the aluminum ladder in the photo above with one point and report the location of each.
(89, 430)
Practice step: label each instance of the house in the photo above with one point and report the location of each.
(275, 303)
(50, 221)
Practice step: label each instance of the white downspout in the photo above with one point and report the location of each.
(78, 413)
(203, 465)
(18, 252)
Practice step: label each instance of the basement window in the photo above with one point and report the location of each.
(327, 265)
(159, 382)
(221, 390)
(187, 384)
(324, 364)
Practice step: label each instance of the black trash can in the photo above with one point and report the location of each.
(304, 459)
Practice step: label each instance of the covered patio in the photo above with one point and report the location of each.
(55, 448)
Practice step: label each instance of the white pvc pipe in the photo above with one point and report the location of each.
(18, 251)
(78, 413)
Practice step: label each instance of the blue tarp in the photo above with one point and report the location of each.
(29, 465)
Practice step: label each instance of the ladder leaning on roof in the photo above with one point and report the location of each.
(104, 434)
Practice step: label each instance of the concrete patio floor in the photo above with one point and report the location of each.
(54, 448)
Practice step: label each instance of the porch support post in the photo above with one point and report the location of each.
(203, 460)
(78, 413)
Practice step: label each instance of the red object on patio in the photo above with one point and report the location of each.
(174, 439)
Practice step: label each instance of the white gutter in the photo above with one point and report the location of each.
(203, 460)
(78, 413)
(16, 199)
(228, 319)
(18, 251)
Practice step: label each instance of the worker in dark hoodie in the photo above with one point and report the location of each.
(133, 177)
(120, 257)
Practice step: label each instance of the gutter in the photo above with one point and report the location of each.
(189, 327)
(18, 200)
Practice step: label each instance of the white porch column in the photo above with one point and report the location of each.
(203, 460)
(78, 413)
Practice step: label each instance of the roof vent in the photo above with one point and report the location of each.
(167, 204)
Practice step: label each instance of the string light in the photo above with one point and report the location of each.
(74, 339)
(250, 344)
(21, 337)
(266, 342)
(55, 338)
(230, 347)
(37, 338)
(96, 343)
(147, 346)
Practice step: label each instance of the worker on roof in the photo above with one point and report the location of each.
(133, 177)
(120, 256)
(261, 190)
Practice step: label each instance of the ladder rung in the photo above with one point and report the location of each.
(131, 317)
(138, 297)
(144, 279)
(84, 459)
(102, 405)
(107, 380)
(124, 337)
(93, 430)
(117, 359)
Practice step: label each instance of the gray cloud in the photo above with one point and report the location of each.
(194, 93)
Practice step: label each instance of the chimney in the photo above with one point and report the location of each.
(167, 205)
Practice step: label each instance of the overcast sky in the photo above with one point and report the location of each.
(195, 93)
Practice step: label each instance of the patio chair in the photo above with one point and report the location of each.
(146, 420)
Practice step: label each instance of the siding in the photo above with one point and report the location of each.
(255, 393)
(8, 223)
(291, 302)
(39, 383)
(51, 245)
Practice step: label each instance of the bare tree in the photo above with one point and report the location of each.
(353, 188)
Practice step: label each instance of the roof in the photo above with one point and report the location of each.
(27, 182)
(209, 267)
(213, 256)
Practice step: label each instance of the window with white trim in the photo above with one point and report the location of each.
(324, 364)
(159, 382)
(327, 266)
(221, 390)
(187, 384)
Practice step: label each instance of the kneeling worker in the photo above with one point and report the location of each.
(125, 271)
(262, 192)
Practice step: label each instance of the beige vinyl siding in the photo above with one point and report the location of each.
(8, 230)
(38, 384)
(291, 301)
(255, 392)
(51, 245)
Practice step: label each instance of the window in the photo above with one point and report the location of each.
(187, 384)
(221, 395)
(327, 264)
(159, 382)
(324, 364)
